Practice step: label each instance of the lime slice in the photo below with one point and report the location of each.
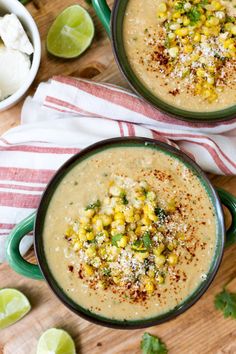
(71, 33)
(55, 341)
(13, 306)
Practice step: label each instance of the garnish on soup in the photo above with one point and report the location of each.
(127, 240)
(199, 43)
(184, 51)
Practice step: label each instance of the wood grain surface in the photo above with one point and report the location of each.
(200, 330)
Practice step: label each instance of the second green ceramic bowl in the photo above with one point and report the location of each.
(113, 23)
(36, 222)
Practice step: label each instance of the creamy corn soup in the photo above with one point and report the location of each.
(184, 51)
(130, 233)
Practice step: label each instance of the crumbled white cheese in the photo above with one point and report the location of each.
(13, 34)
(14, 69)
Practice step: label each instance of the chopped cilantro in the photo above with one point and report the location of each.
(147, 242)
(204, 2)
(230, 19)
(115, 239)
(226, 302)
(97, 204)
(161, 215)
(124, 198)
(138, 246)
(167, 43)
(194, 15)
(152, 345)
(106, 272)
(179, 6)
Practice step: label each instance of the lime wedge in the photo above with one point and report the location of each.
(55, 341)
(71, 33)
(13, 306)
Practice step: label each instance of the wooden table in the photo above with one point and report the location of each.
(200, 330)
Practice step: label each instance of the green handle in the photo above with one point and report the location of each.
(230, 202)
(104, 13)
(14, 258)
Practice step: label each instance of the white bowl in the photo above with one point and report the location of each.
(14, 6)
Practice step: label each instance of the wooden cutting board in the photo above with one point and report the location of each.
(200, 330)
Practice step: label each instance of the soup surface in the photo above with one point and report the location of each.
(130, 233)
(184, 51)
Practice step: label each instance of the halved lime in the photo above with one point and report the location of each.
(71, 33)
(55, 341)
(13, 306)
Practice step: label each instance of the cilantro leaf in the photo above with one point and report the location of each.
(115, 239)
(124, 198)
(179, 6)
(226, 302)
(161, 214)
(147, 242)
(152, 345)
(97, 204)
(106, 271)
(194, 15)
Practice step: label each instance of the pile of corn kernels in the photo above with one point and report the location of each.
(126, 238)
(200, 40)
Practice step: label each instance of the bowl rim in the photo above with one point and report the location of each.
(42, 210)
(36, 57)
(222, 115)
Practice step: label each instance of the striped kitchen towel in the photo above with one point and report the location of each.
(65, 115)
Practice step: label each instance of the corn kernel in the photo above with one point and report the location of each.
(213, 97)
(162, 7)
(210, 80)
(176, 15)
(200, 72)
(197, 37)
(90, 236)
(206, 93)
(203, 18)
(151, 273)
(216, 5)
(186, 21)
(172, 259)
(181, 32)
(119, 216)
(82, 235)
(123, 242)
(141, 256)
(158, 250)
(149, 287)
(88, 269)
(115, 191)
(77, 246)
(233, 30)
(206, 31)
(160, 260)
(188, 49)
(171, 206)
(89, 213)
(106, 220)
(90, 252)
(213, 21)
(160, 279)
(171, 36)
(161, 15)
(173, 52)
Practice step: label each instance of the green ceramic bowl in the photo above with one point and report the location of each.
(36, 222)
(113, 23)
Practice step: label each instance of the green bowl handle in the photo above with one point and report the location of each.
(14, 258)
(230, 202)
(104, 13)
